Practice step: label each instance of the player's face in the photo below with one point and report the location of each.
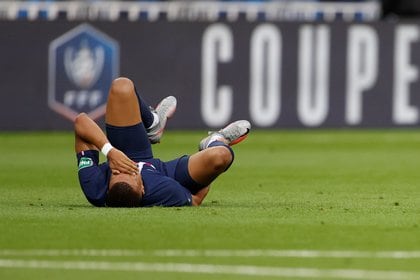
(133, 180)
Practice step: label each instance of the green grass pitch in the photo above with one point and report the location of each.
(316, 204)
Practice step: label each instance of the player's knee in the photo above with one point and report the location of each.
(221, 158)
(122, 88)
(79, 118)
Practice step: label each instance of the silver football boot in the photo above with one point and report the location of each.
(164, 110)
(232, 134)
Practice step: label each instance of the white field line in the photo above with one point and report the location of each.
(212, 269)
(214, 253)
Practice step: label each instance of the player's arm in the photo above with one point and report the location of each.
(89, 136)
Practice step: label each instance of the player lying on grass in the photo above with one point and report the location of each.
(132, 177)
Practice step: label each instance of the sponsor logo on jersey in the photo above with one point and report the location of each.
(85, 162)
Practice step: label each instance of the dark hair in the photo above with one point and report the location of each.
(121, 194)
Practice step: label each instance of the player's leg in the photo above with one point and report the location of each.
(124, 123)
(163, 111)
(199, 196)
(154, 120)
(122, 108)
(206, 165)
(216, 155)
(121, 98)
(197, 171)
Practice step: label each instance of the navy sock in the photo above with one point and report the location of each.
(146, 115)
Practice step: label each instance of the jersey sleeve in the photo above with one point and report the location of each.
(93, 178)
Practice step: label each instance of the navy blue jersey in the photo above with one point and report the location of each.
(160, 189)
(165, 183)
(93, 177)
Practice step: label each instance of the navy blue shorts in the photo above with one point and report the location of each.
(134, 142)
(131, 140)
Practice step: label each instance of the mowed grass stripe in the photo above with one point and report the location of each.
(214, 253)
(211, 269)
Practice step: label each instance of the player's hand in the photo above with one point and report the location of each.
(120, 163)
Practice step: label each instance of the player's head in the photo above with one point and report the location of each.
(124, 191)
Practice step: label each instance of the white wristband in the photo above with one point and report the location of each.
(106, 148)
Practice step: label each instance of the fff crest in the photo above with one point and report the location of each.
(82, 64)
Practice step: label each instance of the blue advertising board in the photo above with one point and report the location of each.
(275, 74)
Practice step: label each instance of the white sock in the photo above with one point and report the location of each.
(155, 121)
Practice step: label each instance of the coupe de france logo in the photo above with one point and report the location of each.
(82, 64)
